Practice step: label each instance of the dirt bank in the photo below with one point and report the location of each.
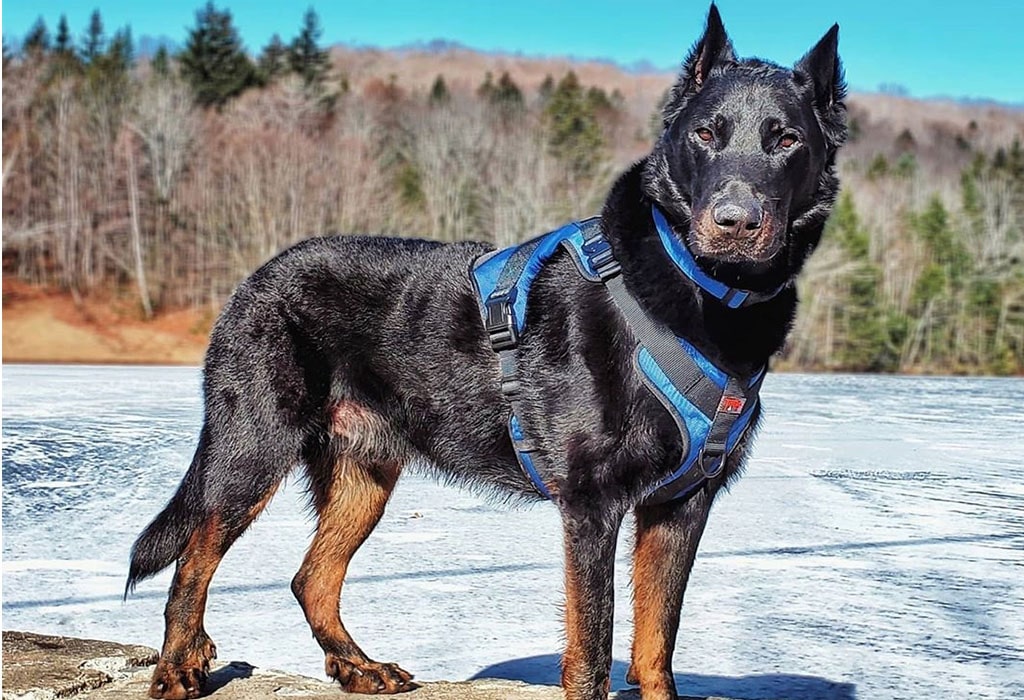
(41, 325)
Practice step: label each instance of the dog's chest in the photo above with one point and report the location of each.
(711, 409)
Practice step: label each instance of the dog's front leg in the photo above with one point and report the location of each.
(667, 536)
(590, 535)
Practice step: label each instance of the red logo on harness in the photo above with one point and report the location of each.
(731, 404)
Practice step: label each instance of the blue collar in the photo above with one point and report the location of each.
(684, 260)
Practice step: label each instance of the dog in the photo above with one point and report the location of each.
(354, 356)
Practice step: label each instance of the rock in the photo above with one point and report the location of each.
(42, 667)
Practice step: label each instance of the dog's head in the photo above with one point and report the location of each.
(745, 166)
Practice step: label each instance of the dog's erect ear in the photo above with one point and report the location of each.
(822, 66)
(712, 49)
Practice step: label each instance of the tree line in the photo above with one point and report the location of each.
(171, 178)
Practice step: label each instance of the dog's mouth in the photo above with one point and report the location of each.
(717, 238)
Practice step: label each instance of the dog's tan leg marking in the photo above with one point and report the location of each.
(589, 602)
(348, 511)
(187, 650)
(663, 554)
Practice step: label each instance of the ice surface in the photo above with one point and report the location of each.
(874, 549)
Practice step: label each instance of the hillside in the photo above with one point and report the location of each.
(119, 186)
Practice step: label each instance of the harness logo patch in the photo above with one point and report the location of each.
(731, 404)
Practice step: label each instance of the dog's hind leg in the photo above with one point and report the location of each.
(667, 536)
(349, 495)
(224, 491)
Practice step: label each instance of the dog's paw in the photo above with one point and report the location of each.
(179, 681)
(660, 686)
(368, 677)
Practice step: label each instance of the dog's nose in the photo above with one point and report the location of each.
(738, 218)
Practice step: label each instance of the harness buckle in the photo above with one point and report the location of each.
(499, 322)
(601, 259)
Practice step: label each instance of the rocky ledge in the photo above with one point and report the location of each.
(42, 667)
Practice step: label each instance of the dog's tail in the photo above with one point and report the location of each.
(165, 538)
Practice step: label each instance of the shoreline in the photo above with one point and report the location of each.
(43, 327)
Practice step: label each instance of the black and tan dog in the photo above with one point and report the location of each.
(355, 356)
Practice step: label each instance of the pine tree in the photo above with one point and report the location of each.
(65, 61)
(546, 88)
(305, 56)
(507, 94)
(161, 63)
(486, 88)
(63, 45)
(273, 60)
(121, 51)
(656, 122)
(574, 135)
(598, 100)
(213, 62)
(439, 94)
(93, 43)
(870, 338)
(37, 40)
(950, 261)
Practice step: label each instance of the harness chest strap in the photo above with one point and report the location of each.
(720, 411)
(725, 406)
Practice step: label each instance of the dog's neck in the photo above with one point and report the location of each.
(678, 253)
(739, 339)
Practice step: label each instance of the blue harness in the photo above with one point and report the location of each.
(711, 408)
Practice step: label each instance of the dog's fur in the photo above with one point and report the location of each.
(355, 356)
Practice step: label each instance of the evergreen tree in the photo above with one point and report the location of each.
(107, 73)
(950, 262)
(905, 142)
(37, 40)
(971, 202)
(486, 88)
(93, 43)
(121, 51)
(161, 63)
(213, 62)
(439, 94)
(273, 60)
(598, 100)
(546, 89)
(506, 95)
(656, 122)
(65, 62)
(574, 135)
(870, 337)
(906, 166)
(63, 45)
(305, 56)
(879, 167)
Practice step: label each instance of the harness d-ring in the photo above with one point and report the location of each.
(704, 470)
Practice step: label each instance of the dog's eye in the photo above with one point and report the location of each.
(788, 141)
(704, 135)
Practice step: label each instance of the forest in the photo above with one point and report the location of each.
(167, 178)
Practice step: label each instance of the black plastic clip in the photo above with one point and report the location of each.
(601, 259)
(500, 322)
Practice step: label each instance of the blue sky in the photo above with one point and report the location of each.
(932, 48)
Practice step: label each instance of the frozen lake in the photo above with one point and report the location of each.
(875, 548)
